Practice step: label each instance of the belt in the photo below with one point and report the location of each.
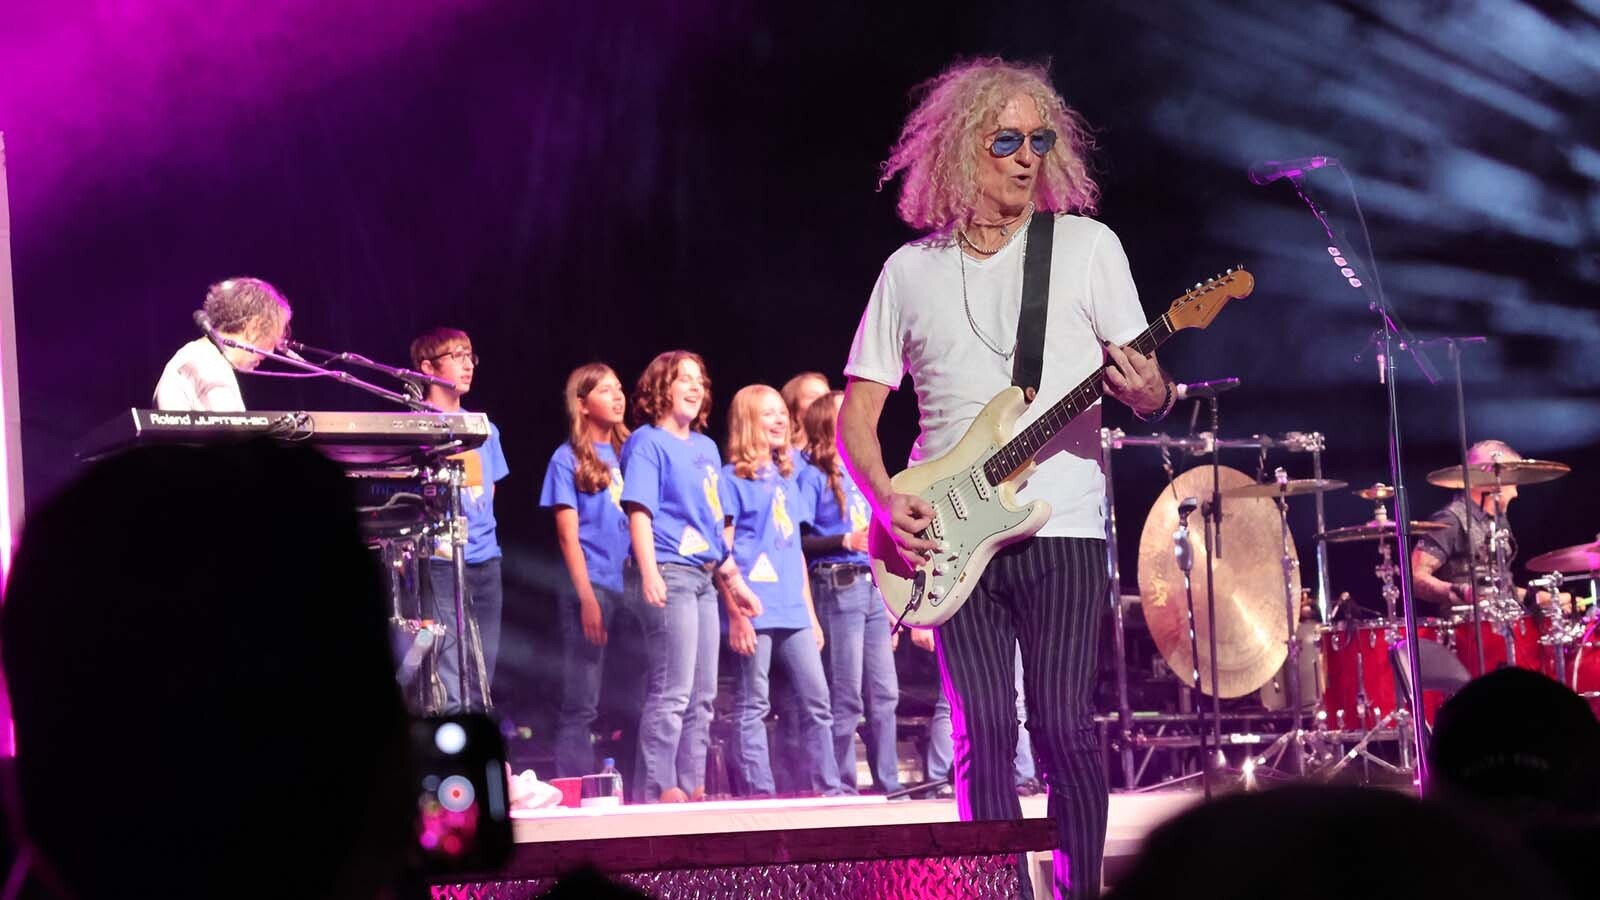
(841, 575)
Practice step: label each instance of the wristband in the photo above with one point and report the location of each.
(1166, 407)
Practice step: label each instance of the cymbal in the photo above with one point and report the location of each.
(1374, 530)
(1581, 558)
(1512, 471)
(1293, 488)
(1252, 621)
(1378, 491)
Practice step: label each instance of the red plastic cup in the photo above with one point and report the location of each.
(571, 791)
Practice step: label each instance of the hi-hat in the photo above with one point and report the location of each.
(1512, 471)
(1581, 558)
(1378, 491)
(1292, 488)
(1252, 625)
(1376, 530)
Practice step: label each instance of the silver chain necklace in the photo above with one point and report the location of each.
(967, 305)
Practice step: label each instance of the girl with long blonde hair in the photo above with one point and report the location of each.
(670, 492)
(762, 504)
(583, 485)
(861, 675)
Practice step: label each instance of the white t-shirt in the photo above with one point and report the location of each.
(915, 323)
(199, 377)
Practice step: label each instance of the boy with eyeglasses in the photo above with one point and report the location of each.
(447, 353)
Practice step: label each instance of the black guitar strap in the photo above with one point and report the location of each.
(1029, 365)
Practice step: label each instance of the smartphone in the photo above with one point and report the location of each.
(463, 821)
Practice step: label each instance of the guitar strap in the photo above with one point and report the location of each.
(1029, 365)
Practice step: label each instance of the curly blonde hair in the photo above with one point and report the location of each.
(937, 151)
(748, 447)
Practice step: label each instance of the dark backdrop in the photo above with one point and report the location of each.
(605, 182)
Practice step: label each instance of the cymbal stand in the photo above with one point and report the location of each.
(1504, 608)
(1292, 740)
(1561, 633)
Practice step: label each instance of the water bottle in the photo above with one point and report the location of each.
(604, 789)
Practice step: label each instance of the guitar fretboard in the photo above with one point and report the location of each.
(1027, 442)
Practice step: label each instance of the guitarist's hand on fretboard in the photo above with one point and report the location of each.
(1135, 379)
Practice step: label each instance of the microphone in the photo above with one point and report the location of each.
(1269, 170)
(1204, 388)
(204, 322)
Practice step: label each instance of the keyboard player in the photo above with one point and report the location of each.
(202, 375)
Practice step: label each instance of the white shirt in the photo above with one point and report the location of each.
(916, 323)
(199, 377)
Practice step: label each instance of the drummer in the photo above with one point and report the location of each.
(1441, 565)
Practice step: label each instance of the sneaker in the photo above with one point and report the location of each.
(945, 793)
(673, 795)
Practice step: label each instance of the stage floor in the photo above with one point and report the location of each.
(1132, 816)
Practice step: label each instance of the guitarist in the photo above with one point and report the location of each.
(989, 143)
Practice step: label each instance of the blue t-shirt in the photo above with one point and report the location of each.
(766, 512)
(676, 480)
(602, 526)
(826, 516)
(477, 500)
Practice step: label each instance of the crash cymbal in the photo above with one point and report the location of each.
(1582, 558)
(1378, 491)
(1372, 531)
(1294, 488)
(1252, 622)
(1512, 471)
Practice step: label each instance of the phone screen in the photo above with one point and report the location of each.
(463, 817)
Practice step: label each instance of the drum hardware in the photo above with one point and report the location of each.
(1250, 665)
(1281, 488)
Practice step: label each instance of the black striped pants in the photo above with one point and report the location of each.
(1048, 594)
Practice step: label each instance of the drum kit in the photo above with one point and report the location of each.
(1340, 664)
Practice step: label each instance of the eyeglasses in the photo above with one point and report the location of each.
(1009, 140)
(459, 356)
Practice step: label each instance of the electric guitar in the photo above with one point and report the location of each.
(972, 488)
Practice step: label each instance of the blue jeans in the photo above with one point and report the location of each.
(861, 676)
(680, 641)
(483, 604)
(941, 747)
(796, 650)
(582, 665)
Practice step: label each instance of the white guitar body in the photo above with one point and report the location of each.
(972, 518)
(972, 488)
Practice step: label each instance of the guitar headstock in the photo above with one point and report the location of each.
(1201, 304)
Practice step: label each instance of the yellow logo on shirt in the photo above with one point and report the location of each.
(709, 485)
(692, 542)
(616, 487)
(780, 513)
(859, 516)
(763, 572)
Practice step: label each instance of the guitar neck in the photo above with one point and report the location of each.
(1021, 448)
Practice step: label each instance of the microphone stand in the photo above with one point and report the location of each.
(1453, 346)
(1185, 556)
(413, 379)
(1389, 331)
(1211, 512)
(341, 377)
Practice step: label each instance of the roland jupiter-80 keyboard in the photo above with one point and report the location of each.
(352, 438)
